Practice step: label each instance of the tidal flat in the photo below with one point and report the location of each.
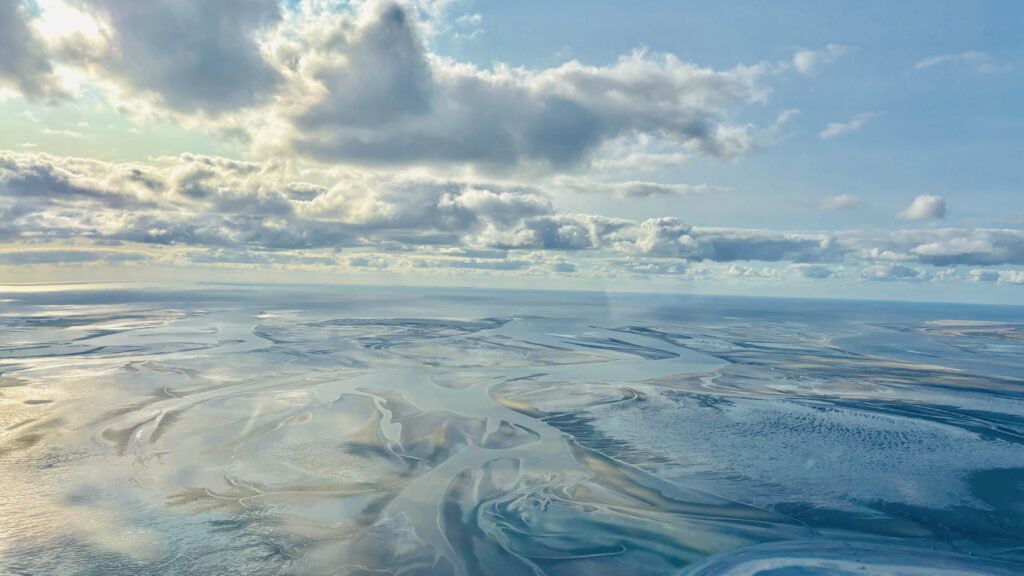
(249, 429)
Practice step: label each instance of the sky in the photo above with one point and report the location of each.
(819, 148)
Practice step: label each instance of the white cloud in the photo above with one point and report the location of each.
(978, 61)
(834, 129)
(370, 92)
(633, 188)
(982, 275)
(468, 26)
(25, 62)
(808, 62)
(207, 201)
(998, 276)
(188, 55)
(925, 207)
(1011, 276)
(359, 85)
(207, 210)
(889, 272)
(940, 247)
(62, 133)
(813, 271)
(842, 202)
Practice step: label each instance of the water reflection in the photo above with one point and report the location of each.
(365, 431)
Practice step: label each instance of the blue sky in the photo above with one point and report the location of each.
(796, 148)
(946, 130)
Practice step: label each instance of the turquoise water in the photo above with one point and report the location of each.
(243, 429)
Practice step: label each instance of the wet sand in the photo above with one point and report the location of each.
(256, 430)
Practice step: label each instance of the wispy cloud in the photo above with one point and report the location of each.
(808, 62)
(842, 202)
(978, 61)
(62, 133)
(836, 129)
(635, 188)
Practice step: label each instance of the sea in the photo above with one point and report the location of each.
(281, 429)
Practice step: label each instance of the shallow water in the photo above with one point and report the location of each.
(241, 429)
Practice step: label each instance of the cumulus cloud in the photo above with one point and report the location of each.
(940, 247)
(377, 75)
(725, 245)
(974, 248)
(890, 272)
(214, 210)
(186, 56)
(563, 267)
(367, 90)
(191, 55)
(813, 271)
(652, 266)
(356, 83)
(1011, 277)
(25, 64)
(835, 129)
(982, 275)
(925, 207)
(207, 201)
(570, 232)
(356, 86)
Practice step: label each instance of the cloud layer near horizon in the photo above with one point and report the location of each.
(229, 211)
